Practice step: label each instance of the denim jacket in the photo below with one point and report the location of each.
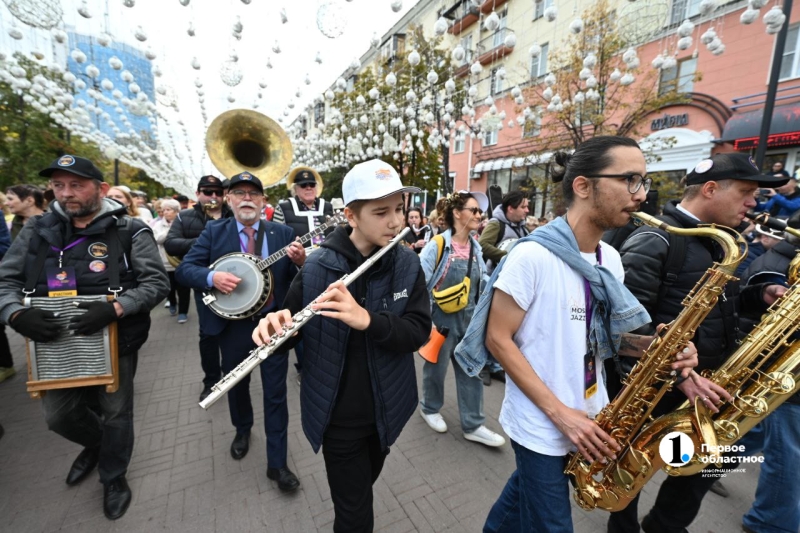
(614, 309)
(433, 273)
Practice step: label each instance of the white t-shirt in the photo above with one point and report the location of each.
(552, 337)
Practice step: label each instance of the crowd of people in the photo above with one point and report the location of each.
(560, 309)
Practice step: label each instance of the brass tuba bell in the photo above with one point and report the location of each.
(242, 140)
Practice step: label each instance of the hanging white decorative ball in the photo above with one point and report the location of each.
(391, 79)
(547, 94)
(450, 86)
(128, 3)
(629, 55)
(106, 84)
(707, 6)
(231, 98)
(191, 30)
(59, 35)
(458, 53)
(708, 36)
(714, 44)
(510, 41)
(590, 61)
(397, 5)
(411, 96)
(492, 22)
(360, 100)
(276, 47)
(78, 56)
(432, 77)
(720, 49)
(576, 26)
(550, 13)
(341, 84)
(14, 32)
(476, 68)
(92, 71)
(84, 10)
(535, 50)
(658, 61)
(195, 63)
(627, 79)
(669, 62)
(440, 26)
(585, 73)
(634, 63)
(140, 34)
(374, 93)
(774, 17)
(615, 76)
(374, 41)
(684, 43)
(772, 30)
(749, 16)
(686, 28)
(414, 58)
(757, 4)
(591, 82)
(284, 18)
(472, 91)
(150, 54)
(578, 97)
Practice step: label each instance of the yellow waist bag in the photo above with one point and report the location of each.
(455, 298)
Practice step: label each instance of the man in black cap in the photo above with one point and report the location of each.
(719, 190)
(184, 231)
(246, 232)
(106, 252)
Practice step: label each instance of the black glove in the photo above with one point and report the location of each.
(36, 324)
(97, 316)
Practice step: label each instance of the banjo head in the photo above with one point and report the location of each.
(251, 293)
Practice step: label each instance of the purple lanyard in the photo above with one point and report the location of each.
(67, 247)
(587, 291)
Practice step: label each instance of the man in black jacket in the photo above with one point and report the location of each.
(182, 234)
(91, 240)
(719, 190)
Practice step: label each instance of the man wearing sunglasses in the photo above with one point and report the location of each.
(183, 233)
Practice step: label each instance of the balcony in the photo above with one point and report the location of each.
(463, 14)
(487, 51)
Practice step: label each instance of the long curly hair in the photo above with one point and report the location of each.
(447, 204)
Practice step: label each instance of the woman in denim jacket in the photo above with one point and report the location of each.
(462, 214)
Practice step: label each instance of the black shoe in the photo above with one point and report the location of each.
(719, 489)
(205, 393)
(240, 445)
(83, 465)
(485, 376)
(116, 498)
(287, 481)
(500, 375)
(747, 529)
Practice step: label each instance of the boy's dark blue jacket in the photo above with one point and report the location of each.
(358, 382)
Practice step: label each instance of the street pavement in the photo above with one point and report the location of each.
(184, 479)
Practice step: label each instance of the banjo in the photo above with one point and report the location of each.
(256, 286)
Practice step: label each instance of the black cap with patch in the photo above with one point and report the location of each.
(732, 167)
(75, 165)
(304, 177)
(245, 177)
(210, 181)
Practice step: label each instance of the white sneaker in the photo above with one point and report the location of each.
(166, 304)
(486, 436)
(435, 421)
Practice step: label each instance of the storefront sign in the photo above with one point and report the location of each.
(777, 139)
(669, 121)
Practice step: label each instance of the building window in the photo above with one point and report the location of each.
(684, 9)
(499, 36)
(496, 86)
(351, 83)
(789, 66)
(466, 44)
(538, 10)
(679, 77)
(319, 113)
(490, 138)
(533, 126)
(539, 64)
(460, 142)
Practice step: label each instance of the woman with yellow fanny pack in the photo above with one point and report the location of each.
(454, 268)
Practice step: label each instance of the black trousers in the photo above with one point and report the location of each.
(5, 350)
(178, 294)
(353, 466)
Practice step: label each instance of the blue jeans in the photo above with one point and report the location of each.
(92, 417)
(777, 505)
(469, 390)
(536, 497)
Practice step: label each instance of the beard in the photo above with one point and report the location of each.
(247, 216)
(85, 209)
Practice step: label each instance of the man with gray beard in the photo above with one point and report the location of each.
(247, 233)
(90, 240)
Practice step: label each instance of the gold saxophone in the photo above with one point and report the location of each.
(613, 485)
(756, 392)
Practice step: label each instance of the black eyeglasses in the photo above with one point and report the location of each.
(475, 210)
(239, 193)
(212, 192)
(635, 181)
(306, 185)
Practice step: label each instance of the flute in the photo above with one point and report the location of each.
(298, 321)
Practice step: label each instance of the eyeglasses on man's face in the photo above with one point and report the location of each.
(212, 192)
(475, 210)
(635, 181)
(241, 193)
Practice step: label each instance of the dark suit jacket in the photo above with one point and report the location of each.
(220, 237)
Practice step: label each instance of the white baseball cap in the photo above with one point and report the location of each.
(482, 199)
(372, 180)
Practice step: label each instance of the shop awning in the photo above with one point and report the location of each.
(747, 126)
(504, 163)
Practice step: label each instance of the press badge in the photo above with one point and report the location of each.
(61, 281)
(589, 375)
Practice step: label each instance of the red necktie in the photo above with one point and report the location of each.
(251, 241)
